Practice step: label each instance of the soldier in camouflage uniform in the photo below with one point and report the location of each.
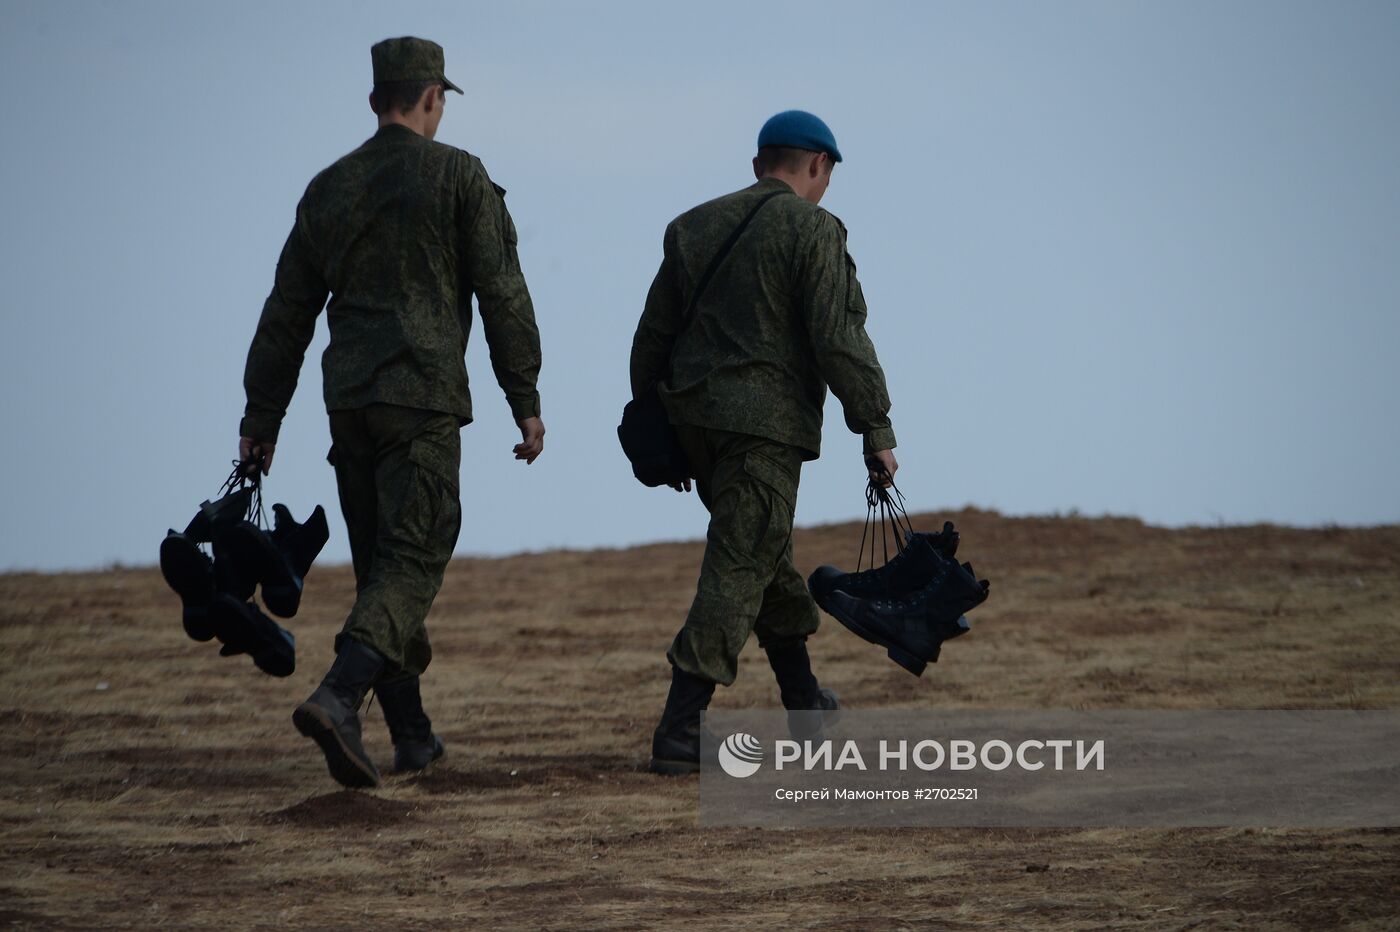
(399, 234)
(743, 379)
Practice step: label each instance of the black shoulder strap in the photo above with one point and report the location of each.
(724, 251)
(688, 316)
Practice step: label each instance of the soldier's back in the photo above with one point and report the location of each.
(383, 220)
(384, 225)
(742, 362)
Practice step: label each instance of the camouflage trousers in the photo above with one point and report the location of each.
(397, 471)
(747, 581)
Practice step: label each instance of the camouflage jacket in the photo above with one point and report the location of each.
(400, 233)
(782, 319)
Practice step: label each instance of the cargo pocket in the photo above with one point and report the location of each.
(776, 486)
(775, 476)
(438, 479)
(430, 456)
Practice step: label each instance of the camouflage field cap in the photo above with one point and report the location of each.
(409, 59)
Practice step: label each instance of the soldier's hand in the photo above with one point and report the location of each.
(882, 467)
(682, 486)
(531, 444)
(253, 453)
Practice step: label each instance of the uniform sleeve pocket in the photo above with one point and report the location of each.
(855, 297)
(507, 224)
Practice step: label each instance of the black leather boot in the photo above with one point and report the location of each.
(415, 745)
(229, 577)
(675, 745)
(188, 570)
(221, 513)
(190, 573)
(243, 629)
(810, 707)
(906, 572)
(330, 716)
(300, 544)
(913, 629)
(279, 560)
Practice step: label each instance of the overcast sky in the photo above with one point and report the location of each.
(1120, 257)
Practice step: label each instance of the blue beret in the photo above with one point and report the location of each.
(799, 129)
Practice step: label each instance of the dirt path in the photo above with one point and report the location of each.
(146, 780)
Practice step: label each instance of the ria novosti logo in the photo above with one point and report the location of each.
(740, 755)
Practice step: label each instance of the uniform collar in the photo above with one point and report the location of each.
(394, 131)
(772, 184)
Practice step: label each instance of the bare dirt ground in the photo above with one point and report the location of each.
(147, 781)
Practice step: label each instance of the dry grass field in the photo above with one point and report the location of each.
(147, 781)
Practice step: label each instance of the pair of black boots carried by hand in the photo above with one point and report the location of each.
(914, 602)
(217, 593)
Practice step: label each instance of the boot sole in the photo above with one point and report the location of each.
(272, 648)
(899, 655)
(192, 579)
(345, 768)
(673, 768)
(896, 653)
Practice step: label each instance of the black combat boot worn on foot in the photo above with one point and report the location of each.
(330, 717)
(675, 746)
(415, 745)
(810, 707)
(913, 629)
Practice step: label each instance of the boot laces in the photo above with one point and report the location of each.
(893, 521)
(238, 480)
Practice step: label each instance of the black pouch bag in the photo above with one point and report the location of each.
(650, 442)
(648, 439)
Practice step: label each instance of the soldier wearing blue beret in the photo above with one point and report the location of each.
(798, 129)
(742, 346)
